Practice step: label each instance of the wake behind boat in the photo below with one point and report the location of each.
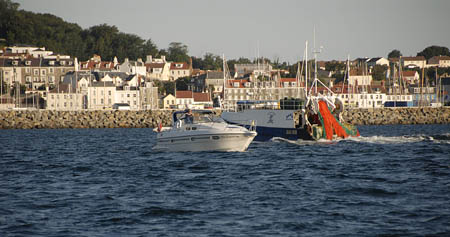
(203, 132)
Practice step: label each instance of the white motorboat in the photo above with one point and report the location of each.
(205, 133)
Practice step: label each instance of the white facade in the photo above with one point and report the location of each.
(133, 67)
(64, 101)
(363, 100)
(101, 95)
(128, 96)
(364, 80)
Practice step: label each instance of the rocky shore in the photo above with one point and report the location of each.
(39, 119)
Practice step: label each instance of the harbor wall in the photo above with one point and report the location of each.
(38, 119)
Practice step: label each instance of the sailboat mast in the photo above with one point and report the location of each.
(306, 67)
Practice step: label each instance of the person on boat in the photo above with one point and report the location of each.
(188, 117)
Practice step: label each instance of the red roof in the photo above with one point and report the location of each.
(288, 79)
(179, 66)
(154, 65)
(241, 83)
(184, 94)
(201, 97)
(96, 65)
(409, 73)
(418, 58)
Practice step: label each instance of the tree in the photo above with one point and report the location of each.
(379, 72)
(395, 54)
(168, 87)
(334, 66)
(177, 52)
(149, 48)
(183, 83)
(212, 62)
(432, 51)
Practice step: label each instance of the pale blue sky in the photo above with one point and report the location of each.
(236, 27)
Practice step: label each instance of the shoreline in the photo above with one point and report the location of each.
(48, 119)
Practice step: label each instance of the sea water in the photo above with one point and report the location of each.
(393, 180)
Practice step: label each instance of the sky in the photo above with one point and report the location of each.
(275, 29)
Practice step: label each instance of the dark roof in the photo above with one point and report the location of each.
(103, 84)
(100, 75)
(36, 62)
(374, 60)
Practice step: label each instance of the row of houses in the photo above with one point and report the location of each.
(406, 62)
(66, 84)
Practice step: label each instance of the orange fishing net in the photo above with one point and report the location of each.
(330, 123)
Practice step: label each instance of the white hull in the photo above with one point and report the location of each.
(204, 133)
(207, 142)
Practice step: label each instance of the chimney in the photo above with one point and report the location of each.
(163, 58)
(149, 59)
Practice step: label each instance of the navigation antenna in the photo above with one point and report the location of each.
(315, 52)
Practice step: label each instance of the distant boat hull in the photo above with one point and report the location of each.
(269, 123)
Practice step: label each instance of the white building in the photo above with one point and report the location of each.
(101, 95)
(157, 68)
(64, 98)
(133, 67)
(128, 95)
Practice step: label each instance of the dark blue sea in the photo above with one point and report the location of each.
(392, 181)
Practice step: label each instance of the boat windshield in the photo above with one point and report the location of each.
(199, 117)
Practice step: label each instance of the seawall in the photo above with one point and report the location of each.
(39, 119)
(386, 116)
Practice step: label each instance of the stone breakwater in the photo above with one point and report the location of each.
(149, 119)
(386, 116)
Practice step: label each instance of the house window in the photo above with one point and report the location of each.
(36, 72)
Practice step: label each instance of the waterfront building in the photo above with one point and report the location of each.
(439, 61)
(148, 96)
(361, 79)
(168, 102)
(377, 61)
(179, 69)
(35, 73)
(158, 68)
(64, 97)
(128, 95)
(423, 96)
(258, 69)
(411, 77)
(101, 95)
(211, 81)
(412, 62)
(184, 99)
(96, 64)
(133, 67)
(274, 89)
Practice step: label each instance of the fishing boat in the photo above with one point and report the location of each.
(205, 132)
(318, 116)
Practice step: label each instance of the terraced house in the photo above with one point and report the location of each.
(36, 73)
